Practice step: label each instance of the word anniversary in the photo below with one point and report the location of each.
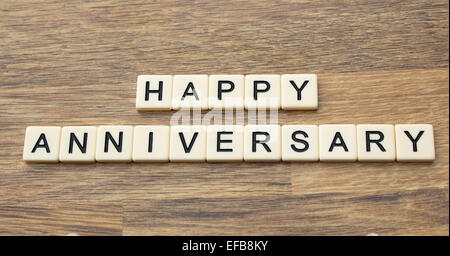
(216, 143)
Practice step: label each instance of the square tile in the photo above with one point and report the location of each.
(225, 143)
(151, 143)
(226, 91)
(300, 143)
(78, 144)
(154, 92)
(262, 91)
(299, 91)
(376, 142)
(190, 92)
(41, 144)
(114, 143)
(187, 143)
(415, 142)
(337, 142)
(262, 143)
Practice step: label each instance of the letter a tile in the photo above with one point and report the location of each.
(337, 142)
(41, 144)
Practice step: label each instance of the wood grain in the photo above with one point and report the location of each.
(76, 63)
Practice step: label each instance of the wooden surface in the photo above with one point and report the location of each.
(76, 63)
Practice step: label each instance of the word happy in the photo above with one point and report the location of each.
(165, 92)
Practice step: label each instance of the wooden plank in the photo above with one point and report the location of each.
(103, 41)
(64, 218)
(417, 212)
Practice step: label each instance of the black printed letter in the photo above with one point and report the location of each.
(220, 90)
(304, 142)
(219, 140)
(187, 149)
(81, 147)
(148, 91)
(262, 142)
(39, 145)
(118, 146)
(187, 93)
(299, 90)
(341, 143)
(380, 139)
(150, 142)
(414, 141)
(255, 88)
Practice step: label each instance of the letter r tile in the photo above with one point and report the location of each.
(376, 142)
(262, 143)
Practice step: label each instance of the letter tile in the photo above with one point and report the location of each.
(376, 142)
(337, 142)
(114, 143)
(190, 92)
(41, 144)
(78, 144)
(225, 143)
(415, 142)
(226, 91)
(299, 91)
(154, 92)
(262, 91)
(300, 143)
(151, 143)
(187, 143)
(262, 143)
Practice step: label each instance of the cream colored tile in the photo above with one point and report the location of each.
(299, 91)
(190, 92)
(114, 143)
(151, 143)
(262, 91)
(225, 143)
(154, 92)
(78, 144)
(226, 91)
(376, 142)
(41, 144)
(300, 143)
(415, 142)
(187, 143)
(337, 142)
(262, 143)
